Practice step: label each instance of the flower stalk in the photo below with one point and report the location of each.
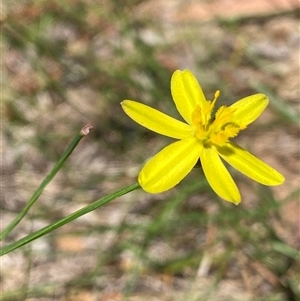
(84, 131)
(33, 236)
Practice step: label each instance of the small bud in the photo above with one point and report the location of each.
(86, 129)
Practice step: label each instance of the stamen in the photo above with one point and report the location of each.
(217, 94)
(196, 116)
(208, 108)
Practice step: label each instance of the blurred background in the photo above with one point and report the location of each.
(67, 63)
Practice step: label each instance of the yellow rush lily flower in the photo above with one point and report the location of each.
(202, 136)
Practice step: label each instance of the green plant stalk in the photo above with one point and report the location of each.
(84, 131)
(27, 239)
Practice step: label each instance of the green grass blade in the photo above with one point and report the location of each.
(286, 250)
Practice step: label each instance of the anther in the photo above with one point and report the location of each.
(217, 94)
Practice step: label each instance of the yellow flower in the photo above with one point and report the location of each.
(203, 136)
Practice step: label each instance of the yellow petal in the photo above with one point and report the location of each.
(218, 176)
(156, 121)
(249, 108)
(186, 93)
(169, 166)
(249, 165)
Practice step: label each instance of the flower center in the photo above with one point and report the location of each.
(215, 130)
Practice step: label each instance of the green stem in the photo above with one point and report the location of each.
(84, 131)
(27, 239)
